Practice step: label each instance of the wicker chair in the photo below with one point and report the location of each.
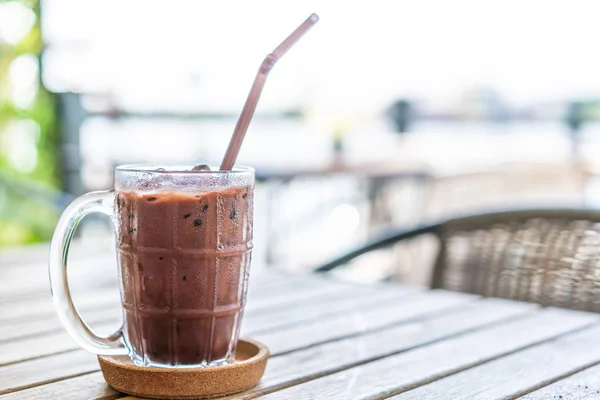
(550, 257)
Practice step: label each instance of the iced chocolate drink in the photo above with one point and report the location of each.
(184, 251)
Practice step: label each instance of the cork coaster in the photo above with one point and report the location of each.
(188, 383)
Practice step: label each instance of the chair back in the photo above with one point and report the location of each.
(550, 257)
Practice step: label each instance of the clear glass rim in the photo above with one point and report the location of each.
(164, 169)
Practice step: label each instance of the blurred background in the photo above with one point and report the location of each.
(386, 115)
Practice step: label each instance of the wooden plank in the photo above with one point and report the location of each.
(300, 366)
(285, 369)
(377, 316)
(424, 306)
(335, 305)
(83, 273)
(49, 369)
(50, 323)
(94, 299)
(583, 385)
(101, 307)
(289, 297)
(10, 294)
(40, 370)
(31, 348)
(41, 287)
(401, 372)
(260, 304)
(516, 374)
(27, 281)
(403, 308)
(43, 307)
(32, 282)
(89, 298)
(90, 386)
(19, 257)
(58, 341)
(275, 277)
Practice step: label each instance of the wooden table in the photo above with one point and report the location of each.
(329, 340)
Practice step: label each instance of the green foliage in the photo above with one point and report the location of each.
(26, 219)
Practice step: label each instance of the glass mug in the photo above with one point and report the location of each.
(184, 241)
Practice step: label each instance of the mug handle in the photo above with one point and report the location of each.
(94, 202)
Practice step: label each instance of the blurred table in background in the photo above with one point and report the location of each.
(389, 169)
(374, 178)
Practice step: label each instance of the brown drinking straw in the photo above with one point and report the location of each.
(248, 111)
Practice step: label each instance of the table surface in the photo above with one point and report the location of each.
(328, 339)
